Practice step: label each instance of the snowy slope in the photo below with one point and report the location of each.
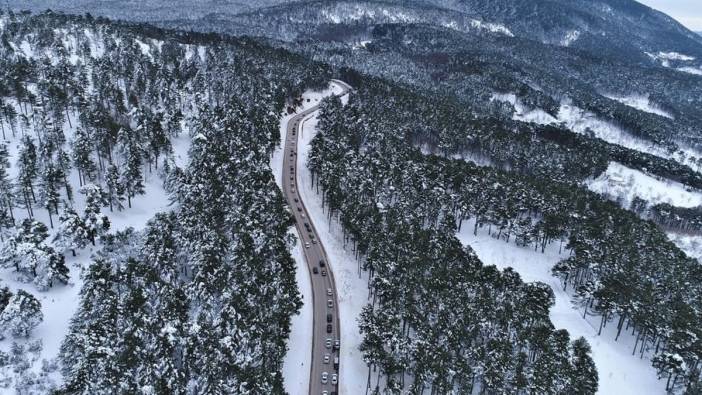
(620, 373)
(587, 123)
(622, 183)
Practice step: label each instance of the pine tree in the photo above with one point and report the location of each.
(72, 234)
(21, 315)
(95, 223)
(82, 156)
(6, 187)
(115, 189)
(584, 380)
(50, 184)
(28, 170)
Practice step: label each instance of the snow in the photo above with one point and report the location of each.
(296, 366)
(144, 47)
(671, 56)
(587, 123)
(619, 372)
(491, 27)
(570, 38)
(623, 184)
(640, 102)
(522, 112)
(690, 244)
(691, 70)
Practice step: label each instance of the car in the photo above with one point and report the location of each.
(297, 201)
(325, 377)
(336, 363)
(329, 328)
(337, 345)
(314, 270)
(311, 236)
(299, 209)
(321, 263)
(328, 343)
(325, 392)
(292, 168)
(307, 245)
(292, 179)
(329, 292)
(330, 303)
(327, 358)
(334, 379)
(329, 317)
(324, 272)
(303, 215)
(314, 241)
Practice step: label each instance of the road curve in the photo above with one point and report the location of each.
(323, 287)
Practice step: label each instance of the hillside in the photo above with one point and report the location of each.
(116, 278)
(509, 200)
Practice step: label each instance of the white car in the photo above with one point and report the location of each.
(335, 379)
(307, 244)
(325, 377)
(327, 358)
(328, 343)
(330, 303)
(329, 292)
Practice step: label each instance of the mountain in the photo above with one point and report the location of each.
(148, 10)
(546, 50)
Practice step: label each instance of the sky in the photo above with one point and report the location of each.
(687, 12)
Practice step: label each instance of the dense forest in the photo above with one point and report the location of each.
(178, 307)
(399, 208)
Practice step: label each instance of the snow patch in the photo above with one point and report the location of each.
(570, 38)
(522, 112)
(623, 184)
(640, 102)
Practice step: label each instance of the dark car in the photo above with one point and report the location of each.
(329, 317)
(322, 264)
(329, 328)
(315, 270)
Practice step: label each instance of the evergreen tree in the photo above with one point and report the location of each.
(21, 315)
(95, 224)
(584, 380)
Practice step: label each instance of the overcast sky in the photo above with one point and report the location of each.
(687, 12)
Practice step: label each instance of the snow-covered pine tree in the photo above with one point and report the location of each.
(21, 315)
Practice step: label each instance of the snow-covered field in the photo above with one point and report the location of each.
(352, 288)
(622, 184)
(620, 373)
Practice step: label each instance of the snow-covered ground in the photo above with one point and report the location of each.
(352, 288)
(690, 244)
(585, 122)
(296, 366)
(640, 102)
(622, 184)
(620, 373)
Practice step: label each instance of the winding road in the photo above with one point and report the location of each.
(325, 328)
